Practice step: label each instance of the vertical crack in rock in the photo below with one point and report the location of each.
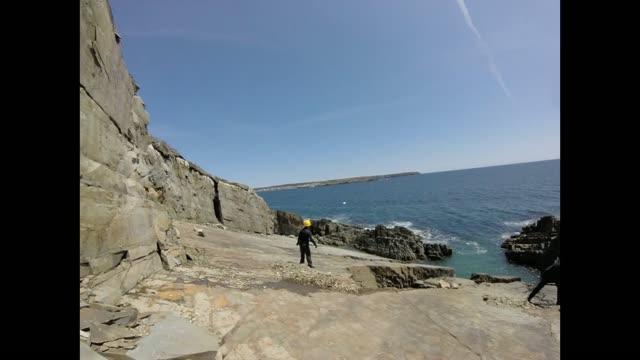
(217, 207)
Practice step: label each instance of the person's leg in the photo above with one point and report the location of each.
(538, 287)
(309, 256)
(301, 254)
(553, 276)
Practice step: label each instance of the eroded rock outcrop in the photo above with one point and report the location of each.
(333, 233)
(395, 243)
(537, 245)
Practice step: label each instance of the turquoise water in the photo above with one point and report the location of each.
(471, 210)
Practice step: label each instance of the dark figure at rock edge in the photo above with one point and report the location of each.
(549, 275)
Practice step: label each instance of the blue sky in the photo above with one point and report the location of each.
(273, 91)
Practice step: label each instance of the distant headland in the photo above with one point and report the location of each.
(334, 182)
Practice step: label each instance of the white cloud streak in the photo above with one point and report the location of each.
(492, 65)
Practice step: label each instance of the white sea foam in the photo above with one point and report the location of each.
(406, 224)
(340, 218)
(436, 236)
(409, 225)
(431, 235)
(506, 236)
(519, 223)
(475, 248)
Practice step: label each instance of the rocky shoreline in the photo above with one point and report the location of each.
(537, 245)
(397, 243)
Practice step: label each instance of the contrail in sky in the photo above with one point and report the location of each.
(492, 65)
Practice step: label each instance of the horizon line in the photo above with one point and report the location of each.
(488, 166)
(410, 171)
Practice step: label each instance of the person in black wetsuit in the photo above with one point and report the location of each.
(549, 275)
(303, 241)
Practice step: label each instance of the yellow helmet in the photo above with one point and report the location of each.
(307, 222)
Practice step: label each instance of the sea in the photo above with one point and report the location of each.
(473, 210)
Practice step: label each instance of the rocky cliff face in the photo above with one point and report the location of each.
(131, 185)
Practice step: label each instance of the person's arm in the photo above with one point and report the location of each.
(311, 238)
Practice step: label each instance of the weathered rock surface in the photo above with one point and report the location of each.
(175, 338)
(105, 333)
(265, 311)
(435, 283)
(482, 278)
(132, 186)
(112, 330)
(537, 245)
(93, 315)
(396, 275)
(96, 314)
(86, 353)
(305, 276)
(437, 251)
(108, 287)
(396, 243)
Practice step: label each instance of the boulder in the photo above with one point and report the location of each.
(172, 253)
(437, 251)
